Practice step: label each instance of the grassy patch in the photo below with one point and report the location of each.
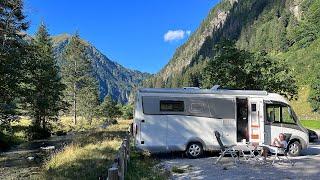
(143, 167)
(311, 124)
(89, 156)
(178, 170)
(66, 124)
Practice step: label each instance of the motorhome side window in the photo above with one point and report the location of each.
(277, 113)
(273, 113)
(172, 106)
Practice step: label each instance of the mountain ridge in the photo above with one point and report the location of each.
(274, 27)
(114, 79)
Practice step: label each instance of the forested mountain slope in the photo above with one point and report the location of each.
(287, 30)
(114, 79)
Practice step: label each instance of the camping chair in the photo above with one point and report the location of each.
(283, 152)
(226, 149)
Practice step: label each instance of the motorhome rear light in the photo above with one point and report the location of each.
(136, 129)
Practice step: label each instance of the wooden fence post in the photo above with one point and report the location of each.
(113, 173)
(120, 166)
(121, 163)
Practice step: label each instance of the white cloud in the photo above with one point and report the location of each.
(174, 35)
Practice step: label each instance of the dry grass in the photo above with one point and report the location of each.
(89, 156)
(66, 124)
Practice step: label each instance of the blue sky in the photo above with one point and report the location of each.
(131, 32)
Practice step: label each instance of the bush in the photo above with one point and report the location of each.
(4, 142)
(36, 132)
(127, 111)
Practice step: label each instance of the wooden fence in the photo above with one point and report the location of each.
(119, 168)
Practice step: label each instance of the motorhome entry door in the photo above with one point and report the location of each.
(256, 120)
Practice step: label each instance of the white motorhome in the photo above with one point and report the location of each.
(185, 119)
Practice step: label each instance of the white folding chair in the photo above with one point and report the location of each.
(226, 150)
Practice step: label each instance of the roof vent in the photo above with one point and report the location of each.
(191, 88)
(215, 87)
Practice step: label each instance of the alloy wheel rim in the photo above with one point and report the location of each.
(194, 150)
(293, 148)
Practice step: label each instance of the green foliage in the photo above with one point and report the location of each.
(44, 95)
(127, 111)
(109, 108)
(314, 96)
(309, 28)
(82, 90)
(234, 68)
(12, 53)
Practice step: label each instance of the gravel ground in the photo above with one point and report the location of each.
(306, 166)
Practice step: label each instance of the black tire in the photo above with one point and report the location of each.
(194, 150)
(294, 148)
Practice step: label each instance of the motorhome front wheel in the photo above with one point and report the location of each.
(194, 150)
(294, 148)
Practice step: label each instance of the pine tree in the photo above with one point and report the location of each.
(77, 74)
(109, 108)
(12, 53)
(45, 93)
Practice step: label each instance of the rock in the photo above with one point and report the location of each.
(30, 158)
(47, 148)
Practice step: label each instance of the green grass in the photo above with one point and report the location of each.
(311, 124)
(142, 166)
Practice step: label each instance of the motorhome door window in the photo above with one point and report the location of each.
(253, 107)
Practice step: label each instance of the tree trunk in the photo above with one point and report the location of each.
(43, 123)
(74, 105)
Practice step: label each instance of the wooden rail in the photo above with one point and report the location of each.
(120, 166)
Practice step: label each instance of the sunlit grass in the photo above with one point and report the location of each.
(82, 162)
(311, 124)
(302, 106)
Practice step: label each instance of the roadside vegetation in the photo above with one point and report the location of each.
(88, 156)
(311, 124)
(143, 166)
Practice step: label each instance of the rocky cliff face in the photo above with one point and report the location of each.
(184, 55)
(114, 79)
(256, 25)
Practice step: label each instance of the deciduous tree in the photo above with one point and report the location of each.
(239, 69)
